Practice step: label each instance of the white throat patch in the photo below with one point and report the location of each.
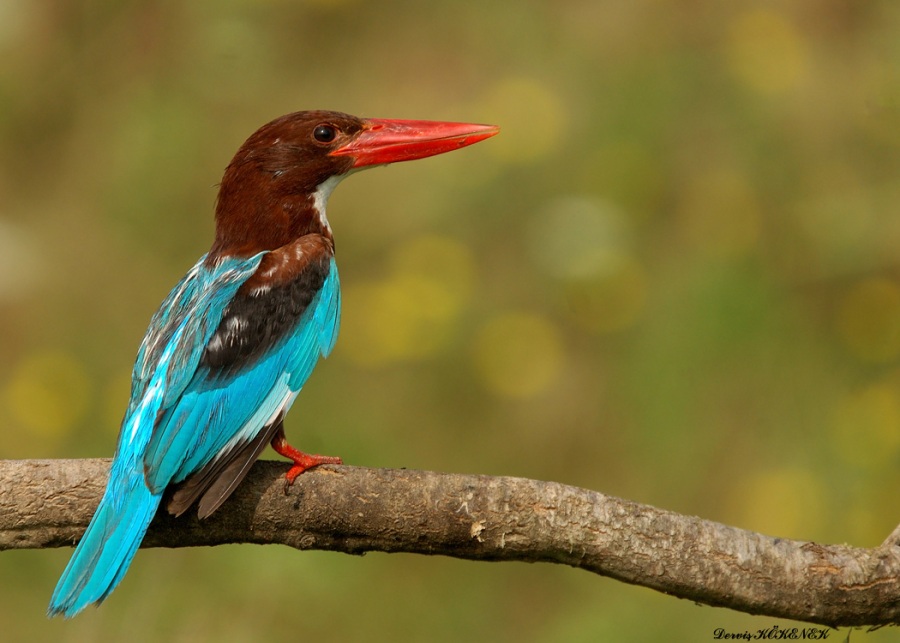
(320, 197)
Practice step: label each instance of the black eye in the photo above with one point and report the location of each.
(324, 133)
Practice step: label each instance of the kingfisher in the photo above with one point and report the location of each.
(229, 349)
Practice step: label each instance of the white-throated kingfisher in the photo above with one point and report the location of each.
(231, 346)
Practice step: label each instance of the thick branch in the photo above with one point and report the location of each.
(47, 503)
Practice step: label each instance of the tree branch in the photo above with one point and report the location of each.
(48, 503)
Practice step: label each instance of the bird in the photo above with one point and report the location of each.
(230, 347)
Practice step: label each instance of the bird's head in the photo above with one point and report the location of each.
(276, 187)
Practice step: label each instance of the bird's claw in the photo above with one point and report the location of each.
(303, 462)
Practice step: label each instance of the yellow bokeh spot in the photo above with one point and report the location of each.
(409, 314)
(389, 320)
(518, 354)
(838, 216)
(532, 116)
(612, 302)
(48, 393)
(576, 237)
(587, 243)
(445, 264)
(868, 320)
(720, 214)
(766, 52)
(787, 502)
(866, 427)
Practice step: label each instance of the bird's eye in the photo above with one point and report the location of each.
(324, 133)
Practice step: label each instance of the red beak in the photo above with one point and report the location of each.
(390, 141)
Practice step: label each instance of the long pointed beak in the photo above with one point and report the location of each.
(390, 141)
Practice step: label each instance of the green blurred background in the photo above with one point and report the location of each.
(672, 278)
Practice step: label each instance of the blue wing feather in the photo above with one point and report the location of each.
(189, 436)
(179, 419)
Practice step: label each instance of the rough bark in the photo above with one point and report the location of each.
(48, 503)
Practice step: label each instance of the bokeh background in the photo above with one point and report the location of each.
(673, 277)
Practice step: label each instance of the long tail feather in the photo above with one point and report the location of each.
(108, 544)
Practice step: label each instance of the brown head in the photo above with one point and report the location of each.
(276, 187)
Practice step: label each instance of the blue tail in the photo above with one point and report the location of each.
(108, 544)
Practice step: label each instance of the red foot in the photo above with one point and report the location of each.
(302, 461)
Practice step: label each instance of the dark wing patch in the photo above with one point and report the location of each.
(268, 306)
